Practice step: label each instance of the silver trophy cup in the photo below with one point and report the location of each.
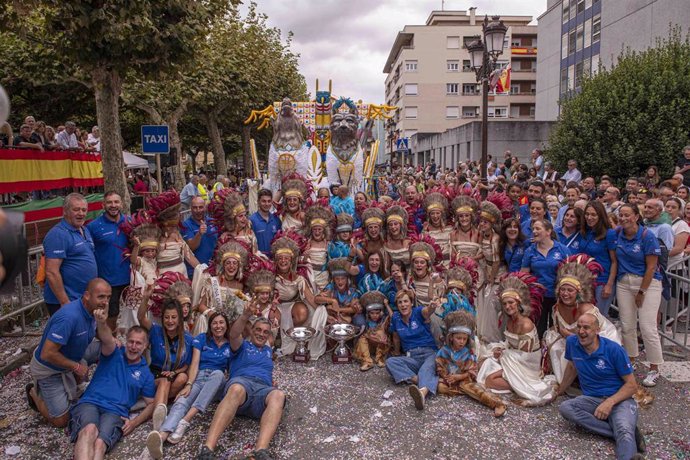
(301, 335)
(341, 333)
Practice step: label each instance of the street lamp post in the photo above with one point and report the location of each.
(483, 61)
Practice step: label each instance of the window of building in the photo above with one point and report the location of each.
(580, 6)
(410, 66)
(596, 28)
(411, 89)
(466, 65)
(578, 74)
(564, 45)
(452, 42)
(470, 88)
(452, 112)
(564, 81)
(506, 42)
(411, 113)
(579, 37)
(467, 39)
(532, 111)
(469, 112)
(515, 42)
(451, 88)
(572, 41)
(571, 78)
(566, 11)
(502, 64)
(533, 87)
(514, 111)
(498, 112)
(452, 66)
(587, 67)
(588, 33)
(515, 88)
(595, 64)
(588, 4)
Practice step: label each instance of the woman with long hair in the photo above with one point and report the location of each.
(317, 229)
(651, 178)
(436, 225)
(464, 239)
(512, 244)
(570, 234)
(397, 244)
(232, 218)
(537, 211)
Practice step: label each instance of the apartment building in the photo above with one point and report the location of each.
(577, 35)
(429, 76)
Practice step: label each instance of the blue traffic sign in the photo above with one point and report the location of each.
(155, 139)
(402, 144)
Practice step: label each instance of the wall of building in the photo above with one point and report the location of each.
(549, 62)
(464, 142)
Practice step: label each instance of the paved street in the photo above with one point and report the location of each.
(336, 412)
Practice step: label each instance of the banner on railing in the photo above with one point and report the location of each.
(29, 170)
(36, 210)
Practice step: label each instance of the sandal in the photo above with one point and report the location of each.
(29, 399)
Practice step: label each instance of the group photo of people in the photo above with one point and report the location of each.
(505, 289)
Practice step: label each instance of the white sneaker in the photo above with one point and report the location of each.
(651, 379)
(154, 444)
(176, 435)
(159, 414)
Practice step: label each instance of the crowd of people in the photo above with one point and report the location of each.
(37, 135)
(458, 286)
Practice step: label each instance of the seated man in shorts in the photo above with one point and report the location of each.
(64, 354)
(101, 417)
(249, 391)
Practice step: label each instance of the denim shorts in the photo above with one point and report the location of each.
(52, 392)
(109, 424)
(257, 391)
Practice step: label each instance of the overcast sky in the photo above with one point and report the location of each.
(349, 41)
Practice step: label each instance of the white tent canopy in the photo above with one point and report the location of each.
(134, 162)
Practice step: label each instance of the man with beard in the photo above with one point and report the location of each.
(536, 189)
(414, 206)
(109, 242)
(199, 233)
(264, 222)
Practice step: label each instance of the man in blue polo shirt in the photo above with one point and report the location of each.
(608, 384)
(64, 353)
(70, 257)
(250, 391)
(199, 233)
(110, 243)
(265, 223)
(536, 189)
(101, 417)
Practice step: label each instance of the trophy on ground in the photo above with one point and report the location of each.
(341, 333)
(301, 335)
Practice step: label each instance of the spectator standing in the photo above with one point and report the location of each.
(67, 139)
(24, 139)
(70, 260)
(571, 196)
(265, 223)
(550, 173)
(38, 136)
(65, 350)
(572, 174)
(140, 187)
(199, 233)
(189, 191)
(683, 165)
(108, 242)
(202, 186)
(538, 162)
(659, 223)
(93, 140)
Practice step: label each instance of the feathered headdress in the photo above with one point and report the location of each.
(397, 213)
(339, 266)
(296, 185)
(372, 300)
(233, 206)
(526, 290)
(460, 321)
(464, 204)
(373, 215)
(165, 207)
(461, 278)
(503, 203)
(232, 249)
(344, 223)
(160, 288)
(318, 216)
(140, 226)
(290, 243)
(425, 244)
(436, 201)
(580, 271)
(489, 212)
(262, 276)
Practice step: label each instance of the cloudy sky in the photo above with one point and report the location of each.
(349, 41)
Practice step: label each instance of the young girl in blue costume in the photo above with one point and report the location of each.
(340, 298)
(341, 246)
(459, 296)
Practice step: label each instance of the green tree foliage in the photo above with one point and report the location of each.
(631, 116)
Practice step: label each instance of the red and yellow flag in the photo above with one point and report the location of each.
(503, 83)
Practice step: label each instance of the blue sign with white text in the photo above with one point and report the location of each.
(155, 139)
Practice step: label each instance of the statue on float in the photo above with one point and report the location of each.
(345, 157)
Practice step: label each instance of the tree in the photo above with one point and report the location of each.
(104, 40)
(630, 116)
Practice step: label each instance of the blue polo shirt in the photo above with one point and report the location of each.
(110, 243)
(211, 355)
(572, 242)
(265, 230)
(116, 385)
(545, 267)
(78, 259)
(250, 361)
(416, 333)
(601, 373)
(204, 252)
(631, 253)
(599, 249)
(73, 328)
(524, 212)
(157, 341)
(513, 256)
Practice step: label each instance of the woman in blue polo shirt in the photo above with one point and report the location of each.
(171, 352)
(599, 241)
(412, 333)
(512, 245)
(210, 360)
(542, 259)
(639, 288)
(537, 211)
(569, 234)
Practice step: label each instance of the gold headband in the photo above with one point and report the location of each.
(228, 255)
(171, 222)
(239, 209)
(464, 209)
(373, 220)
(434, 206)
(511, 294)
(457, 284)
(318, 222)
(183, 300)
(296, 193)
(420, 254)
(570, 280)
(149, 245)
(488, 216)
(258, 289)
(282, 251)
(394, 218)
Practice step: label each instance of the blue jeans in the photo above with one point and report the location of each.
(620, 425)
(418, 361)
(604, 304)
(206, 386)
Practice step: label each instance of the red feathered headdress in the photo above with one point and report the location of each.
(161, 285)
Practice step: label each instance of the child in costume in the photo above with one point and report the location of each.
(375, 338)
(342, 203)
(459, 284)
(262, 284)
(456, 363)
(341, 299)
(342, 245)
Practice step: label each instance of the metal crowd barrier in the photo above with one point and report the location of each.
(27, 293)
(674, 327)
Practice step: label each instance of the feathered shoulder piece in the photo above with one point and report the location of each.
(502, 202)
(164, 207)
(581, 272)
(524, 288)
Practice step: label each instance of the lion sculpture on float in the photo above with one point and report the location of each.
(289, 151)
(345, 158)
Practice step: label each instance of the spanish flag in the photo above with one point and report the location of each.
(500, 80)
